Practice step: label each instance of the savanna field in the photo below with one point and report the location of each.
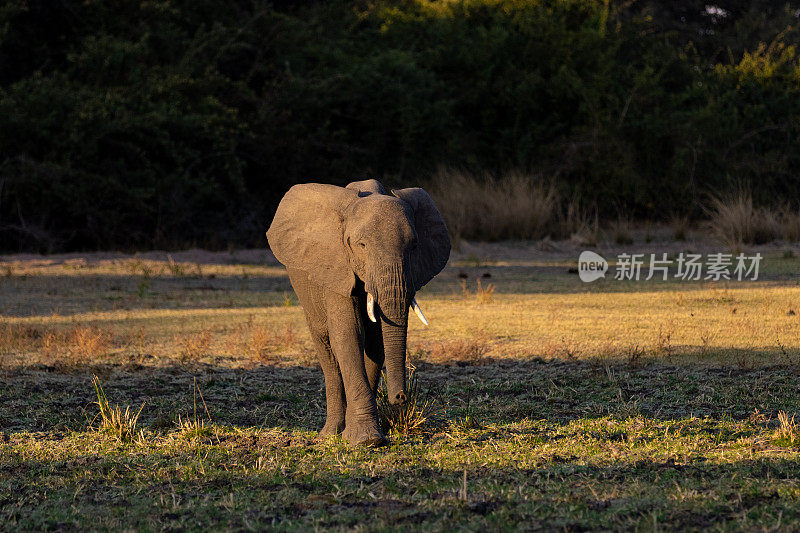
(180, 391)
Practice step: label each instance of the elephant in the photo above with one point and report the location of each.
(356, 257)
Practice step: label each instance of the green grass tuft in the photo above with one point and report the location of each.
(410, 417)
(113, 420)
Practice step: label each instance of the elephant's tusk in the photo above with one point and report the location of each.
(418, 311)
(371, 307)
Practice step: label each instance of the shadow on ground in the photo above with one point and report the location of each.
(49, 398)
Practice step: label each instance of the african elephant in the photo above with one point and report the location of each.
(356, 258)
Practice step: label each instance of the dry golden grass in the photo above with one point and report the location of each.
(580, 225)
(470, 351)
(621, 231)
(662, 346)
(262, 342)
(235, 340)
(193, 346)
(18, 337)
(681, 228)
(788, 434)
(790, 221)
(77, 345)
(265, 341)
(194, 427)
(735, 221)
(523, 206)
(697, 323)
(89, 341)
(484, 294)
(484, 207)
(516, 205)
(536, 309)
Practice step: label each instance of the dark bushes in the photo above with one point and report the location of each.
(178, 123)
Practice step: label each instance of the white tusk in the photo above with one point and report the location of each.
(420, 314)
(371, 307)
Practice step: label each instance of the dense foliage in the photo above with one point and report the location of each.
(169, 123)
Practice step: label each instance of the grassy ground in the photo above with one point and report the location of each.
(555, 404)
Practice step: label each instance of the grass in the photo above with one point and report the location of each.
(193, 346)
(464, 351)
(788, 434)
(735, 221)
(410, 417)
(117, 423)
(622, 232)
(681, 228)
(556, 404)
(75, 345)
(519, 205)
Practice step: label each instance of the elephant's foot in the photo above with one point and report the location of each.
(364, 434)
(333, 426)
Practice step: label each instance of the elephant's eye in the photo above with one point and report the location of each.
(361, 244)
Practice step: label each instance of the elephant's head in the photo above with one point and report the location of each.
(343, 237)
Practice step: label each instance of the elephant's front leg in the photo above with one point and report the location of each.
(345, 335)
(334, 389)
(310, 296)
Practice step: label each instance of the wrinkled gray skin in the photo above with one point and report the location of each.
(338, 244)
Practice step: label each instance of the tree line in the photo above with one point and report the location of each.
(174, 123)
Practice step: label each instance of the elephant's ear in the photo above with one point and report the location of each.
(307, 234)
(433, 248)
(367, 187)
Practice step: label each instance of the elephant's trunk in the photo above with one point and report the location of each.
(392, 296)
(394, 343)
